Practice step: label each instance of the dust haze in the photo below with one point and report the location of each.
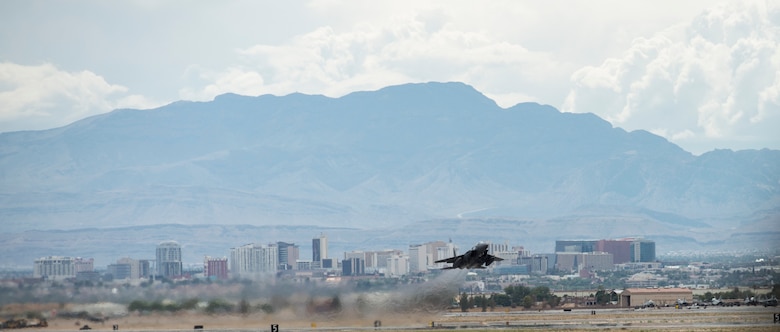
(332, 301)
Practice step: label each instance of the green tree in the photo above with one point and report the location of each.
(138, 305)
(464, 302)
(243, 307)
(502, 300)
(602, 297)
(554, 301)
(218, 306)
(190, 304)
(517, 293)
(528, 301)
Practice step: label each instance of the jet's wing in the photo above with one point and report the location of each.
(448, 260)
(496, 258)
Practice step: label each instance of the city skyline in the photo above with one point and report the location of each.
(254, 260)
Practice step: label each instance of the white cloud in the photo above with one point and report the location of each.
(409, 48)
(42, 96)
(233, 80)
(711, 82)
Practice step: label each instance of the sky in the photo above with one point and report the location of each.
(703, 74)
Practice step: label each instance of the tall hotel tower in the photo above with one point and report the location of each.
(319, 248)
(169, 259)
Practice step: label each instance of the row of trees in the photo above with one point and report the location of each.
(516, 295)
(738, 294)
(212, 306)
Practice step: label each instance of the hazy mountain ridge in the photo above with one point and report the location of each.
(367, 160)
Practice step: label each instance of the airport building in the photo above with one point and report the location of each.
(636, 297)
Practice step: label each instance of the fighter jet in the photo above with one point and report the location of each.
(717, 301)
(476, 258)
(769, 302)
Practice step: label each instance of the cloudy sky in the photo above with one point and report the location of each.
(703, 74)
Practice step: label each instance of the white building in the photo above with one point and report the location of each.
(418, 258)
(397, 265)
(440, 250)
(251, 260)
(319, 248)
(55, 267)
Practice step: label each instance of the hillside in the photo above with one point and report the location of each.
(376, 159)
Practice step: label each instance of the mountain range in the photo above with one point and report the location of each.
(438, 159)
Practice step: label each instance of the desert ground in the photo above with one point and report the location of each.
(667, 319)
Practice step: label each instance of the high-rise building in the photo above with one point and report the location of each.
(288, 255)
(328, 263)
(216, 268)
(134, 267)
(592, 261)
(538, 263)
(620, 249)
(144, 268)
(353, 267)
(119, 270)
(397, 265)
(439, 250)
(379, 260)
(251, 260)
(55, 267)
(84, 264)
(319, 248)
(575, 245)
(418, 261)
(493, 248)
(169, 259)
(642, 251)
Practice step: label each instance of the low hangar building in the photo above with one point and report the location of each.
(632, 297)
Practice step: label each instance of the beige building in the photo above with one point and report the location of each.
(633, 297)
(576, 261)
